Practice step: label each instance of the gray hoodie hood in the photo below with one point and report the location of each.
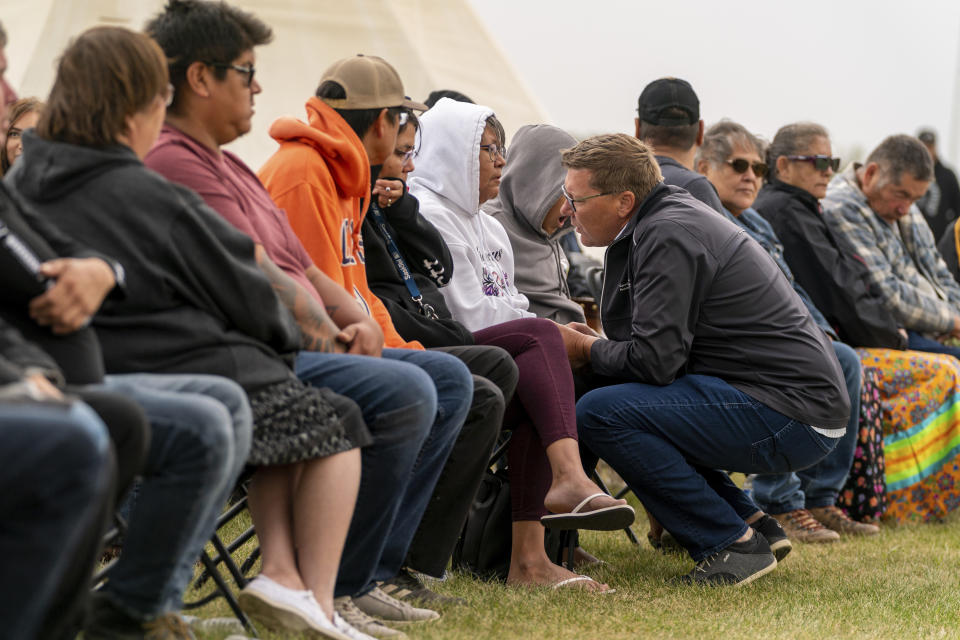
(529, 188)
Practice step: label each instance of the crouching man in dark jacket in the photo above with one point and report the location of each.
(722, 366)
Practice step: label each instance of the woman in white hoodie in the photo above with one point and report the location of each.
(458, 168)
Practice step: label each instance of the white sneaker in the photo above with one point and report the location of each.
(347, 630)
(278, 607)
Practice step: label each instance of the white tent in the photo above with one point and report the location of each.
(434, 44)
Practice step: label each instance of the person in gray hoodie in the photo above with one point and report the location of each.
(528, 207)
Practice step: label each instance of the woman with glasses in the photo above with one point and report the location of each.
(802, 165)
(458, 168)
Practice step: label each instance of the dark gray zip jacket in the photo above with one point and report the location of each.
(688, 292)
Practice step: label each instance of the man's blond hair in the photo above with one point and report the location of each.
(617, 162)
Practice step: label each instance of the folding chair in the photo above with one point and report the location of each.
(211, 570)
(224, 556)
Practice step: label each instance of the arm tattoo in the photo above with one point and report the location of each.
(317, 330)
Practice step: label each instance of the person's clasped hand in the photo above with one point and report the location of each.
(79, 287)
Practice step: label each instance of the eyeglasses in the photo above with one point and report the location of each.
(740, 165)
(406, 155)
(495, 150)
(820, 162)
(247, 71)
(573, 201)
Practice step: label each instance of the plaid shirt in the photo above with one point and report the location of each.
(905, 266)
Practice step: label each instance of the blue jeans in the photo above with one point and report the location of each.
(56, 475)
(917, 342)
(668, 442)
(819, 485)
(414, 403)
(201, 428)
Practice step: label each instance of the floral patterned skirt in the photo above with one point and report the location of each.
(864, 496)
(920, 396)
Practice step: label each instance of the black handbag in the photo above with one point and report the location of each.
(484, 545)
(483, 549)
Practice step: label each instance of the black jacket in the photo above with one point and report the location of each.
(688, 292)
(835, 278)
(17, 357)
(940, 205)
(78, 354)
(947, 246)
(196, 301)
(428, 258)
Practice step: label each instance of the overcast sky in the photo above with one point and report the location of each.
(863, 69)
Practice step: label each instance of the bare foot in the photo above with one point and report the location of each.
(547, 574)
(562, 498)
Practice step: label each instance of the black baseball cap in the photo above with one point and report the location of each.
(669, 93)
(927, 136)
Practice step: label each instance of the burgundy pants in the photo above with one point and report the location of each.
(542, 410)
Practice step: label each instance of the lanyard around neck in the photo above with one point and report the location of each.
(401, 265)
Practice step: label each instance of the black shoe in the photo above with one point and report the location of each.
(740, 563)
(777, 538)
(407, 587)
(106, 621)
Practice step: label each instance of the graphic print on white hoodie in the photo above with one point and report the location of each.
(446, 181)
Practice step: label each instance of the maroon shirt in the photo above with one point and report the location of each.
(231, 189)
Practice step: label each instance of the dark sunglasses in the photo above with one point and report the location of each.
(740, 165)
(820, 163)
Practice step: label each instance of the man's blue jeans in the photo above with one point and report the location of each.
(56, 475)
(668, 443)
(819, 485)
(200, 437)
(414, 403)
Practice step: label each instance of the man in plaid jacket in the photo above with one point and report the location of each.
(873, 207)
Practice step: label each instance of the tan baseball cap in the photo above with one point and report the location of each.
(370, 82)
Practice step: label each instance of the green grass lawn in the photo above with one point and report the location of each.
(904, 583)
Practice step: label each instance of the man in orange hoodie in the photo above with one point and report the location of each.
(211, 46)
(321, 176)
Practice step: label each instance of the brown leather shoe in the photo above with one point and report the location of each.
(833, 518)
(801, 526)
